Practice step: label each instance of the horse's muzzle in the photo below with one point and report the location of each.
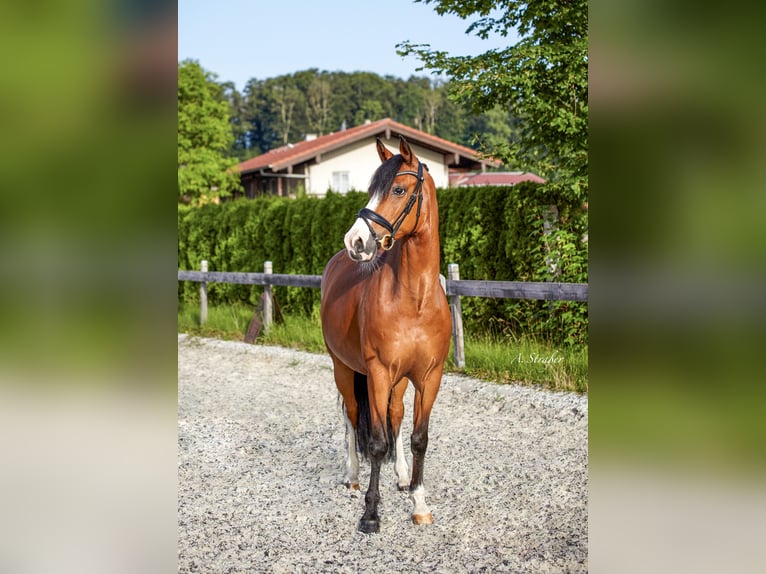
(360, 245)
(360, 254)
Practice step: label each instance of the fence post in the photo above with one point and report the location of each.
(268, 300)
(453, 271)
(203, 295)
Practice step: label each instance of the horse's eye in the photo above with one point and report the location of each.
(398, 190)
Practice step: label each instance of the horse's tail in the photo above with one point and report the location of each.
(364, 419)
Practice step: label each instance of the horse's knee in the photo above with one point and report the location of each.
(419, 441)
(378, 447)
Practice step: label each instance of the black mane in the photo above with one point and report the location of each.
(384, 175)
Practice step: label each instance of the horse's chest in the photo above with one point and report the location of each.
(395, 313)
(397, 327)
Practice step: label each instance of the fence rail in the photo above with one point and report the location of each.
(464, 287)
(519, 290)
(277, 279)
(453, 286)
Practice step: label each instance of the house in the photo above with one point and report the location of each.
(346, 160)
(470, 179)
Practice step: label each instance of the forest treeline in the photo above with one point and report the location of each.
(272, 112)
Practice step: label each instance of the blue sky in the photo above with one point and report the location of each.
(241, 39)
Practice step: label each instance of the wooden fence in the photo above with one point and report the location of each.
(453, 286)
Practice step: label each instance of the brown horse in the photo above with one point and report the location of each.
(385, 320)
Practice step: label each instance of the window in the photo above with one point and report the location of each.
(340, 181)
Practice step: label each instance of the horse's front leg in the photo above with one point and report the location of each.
(425, 395)
(379, 390)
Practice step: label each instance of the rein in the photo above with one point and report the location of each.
(386, 242)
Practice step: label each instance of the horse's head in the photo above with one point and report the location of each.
(393, 210)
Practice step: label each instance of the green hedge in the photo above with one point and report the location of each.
(497, 233)
(494, 233)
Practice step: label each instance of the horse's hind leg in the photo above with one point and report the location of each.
(396, 414)
(344, 380)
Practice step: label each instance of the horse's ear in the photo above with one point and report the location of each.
(383, 151)
(404, 149)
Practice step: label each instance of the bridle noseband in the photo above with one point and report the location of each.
(386, 242)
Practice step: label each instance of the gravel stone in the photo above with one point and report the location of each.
(261, 458)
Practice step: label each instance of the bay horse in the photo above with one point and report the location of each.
(385, 320)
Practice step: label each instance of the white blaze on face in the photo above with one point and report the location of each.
(359, 242)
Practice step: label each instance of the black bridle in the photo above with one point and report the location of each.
(386, 241)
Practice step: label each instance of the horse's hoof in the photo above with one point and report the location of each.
(369, 526)
(352, 485)
(423, 518)
(403, 487)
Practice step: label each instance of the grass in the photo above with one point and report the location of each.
(527, 361)
(502, 360)
(228, 322)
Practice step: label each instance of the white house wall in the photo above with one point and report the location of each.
(360, 160)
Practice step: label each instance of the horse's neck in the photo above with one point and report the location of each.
(419, 263)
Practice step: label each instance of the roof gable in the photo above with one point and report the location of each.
(293, 154)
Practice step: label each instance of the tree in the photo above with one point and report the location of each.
(494, 130)
(542, 80)
(372, 97)
(284, 97)
(370, 110)
(238, 120)
(452, 121)
(433, 104)
(318, 110)
(261, 137)
(204, 137)
(411, 102)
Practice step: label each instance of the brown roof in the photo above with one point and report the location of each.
(493, 178)
(292, 154)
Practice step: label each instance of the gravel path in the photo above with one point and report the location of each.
(261, 457)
